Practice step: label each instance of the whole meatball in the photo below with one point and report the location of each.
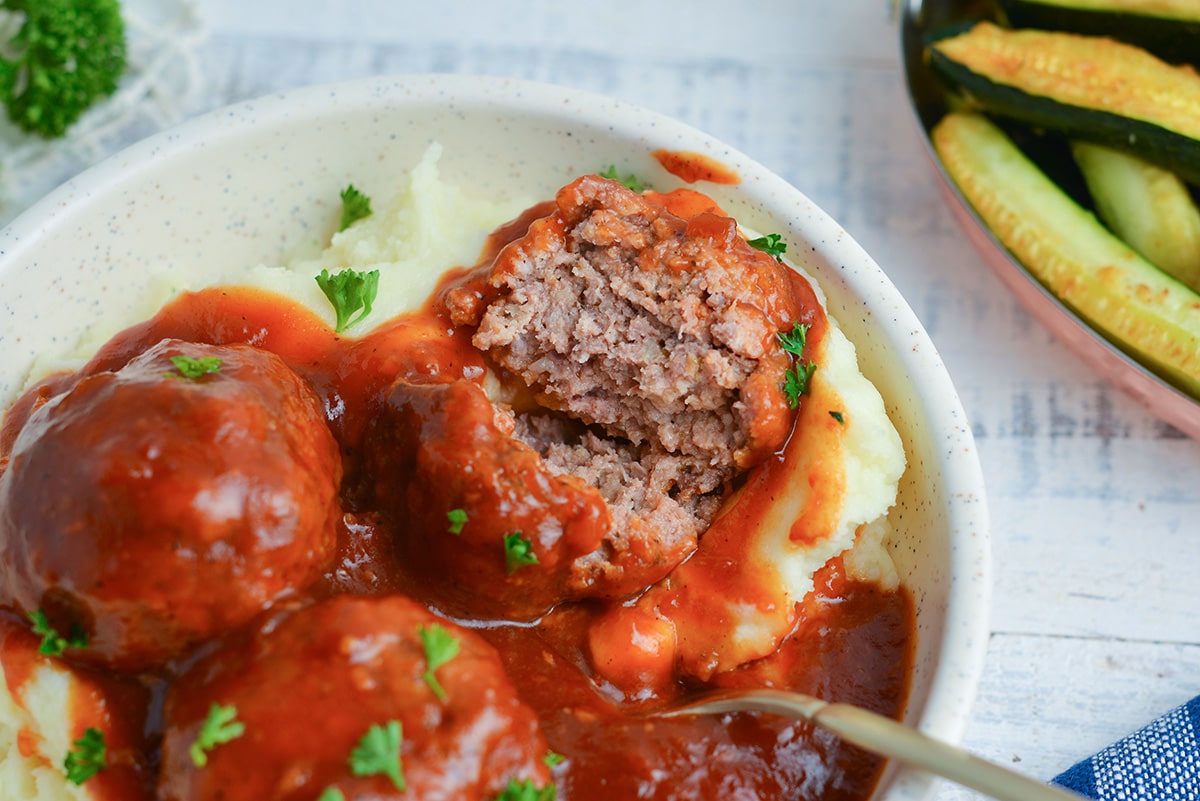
(345, 694)
(152, 510)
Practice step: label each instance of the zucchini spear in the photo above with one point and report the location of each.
(1142, 309)
(1146, 206)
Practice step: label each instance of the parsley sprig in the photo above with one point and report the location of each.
(526, 791)
(349, 291)
(630, 181)
(796, 379)
(771, 244)
(355, 206)
(87, 757)
(456, 519)
(53, 644)
(194, 369)
(518, 552)
(440, 647)
(221, 726)
(378, 754)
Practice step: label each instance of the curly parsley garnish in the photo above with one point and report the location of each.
(378, 754)
(518, 552)
(771, 244)
(331, 793)
(349, 291)
(221, 726)
(87, 757)
(796, 379)
(457, 518)
(440, 647)
(53, 644)
(187, 367)
(526, 791)
(355, 206)
(630, 181)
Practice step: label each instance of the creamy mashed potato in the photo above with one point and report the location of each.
(427, 227)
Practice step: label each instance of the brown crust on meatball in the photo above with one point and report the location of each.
(155, 511)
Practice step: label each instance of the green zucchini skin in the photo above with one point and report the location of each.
(1173, 39)
(1150, 142)
(1141, 309)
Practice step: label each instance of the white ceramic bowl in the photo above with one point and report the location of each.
(244, 184)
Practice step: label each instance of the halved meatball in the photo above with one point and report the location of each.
(150, 510)
(308, 689)
(637, 371)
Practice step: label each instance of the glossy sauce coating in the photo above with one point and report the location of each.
(851, 643)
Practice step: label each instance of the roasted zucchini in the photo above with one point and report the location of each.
(1146, 206)
(1168, 28)
(1140, 308)
(1088, 88)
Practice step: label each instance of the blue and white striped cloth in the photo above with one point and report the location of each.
(1160, 762)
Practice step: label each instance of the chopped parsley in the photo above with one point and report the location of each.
(53, 644)
(553, 760)
(331, 793)
(796, 378)
(526, 791)
(87, 757)
(518, 552)
(837, 416)
(771, 244)
(355, 206)
(457, 519)
(349, 291)
(378, 754)
(630, 181)
(440, 647)
(221, 726)
(187, 367)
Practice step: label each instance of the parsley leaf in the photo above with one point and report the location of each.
(797, 378)
(553, 760)
(331, 793)
(378, 754)
(771, 244)
(630, 181)
(526, 791)
(793, 341)
(796, 381)
(837, 416)
(218, 728)
(518, 552)
(458, 519)
(195, 368)
(440, 647)
(54, 644)
(349, 291)
(355, 206)
(87, 758)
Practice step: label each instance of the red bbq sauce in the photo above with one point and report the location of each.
(852, 642)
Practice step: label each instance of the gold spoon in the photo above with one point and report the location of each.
(883, 736)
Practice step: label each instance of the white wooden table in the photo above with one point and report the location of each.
(1095, 505)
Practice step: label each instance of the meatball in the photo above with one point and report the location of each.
(599, 531)
(151, 510)
(310, 689)
(639, 371)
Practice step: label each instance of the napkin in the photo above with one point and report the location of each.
(1160, 762)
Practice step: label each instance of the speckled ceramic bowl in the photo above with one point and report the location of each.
(244, 184)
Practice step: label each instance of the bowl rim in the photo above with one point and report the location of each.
(952, 687)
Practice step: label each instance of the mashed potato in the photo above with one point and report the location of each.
(429, 226)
